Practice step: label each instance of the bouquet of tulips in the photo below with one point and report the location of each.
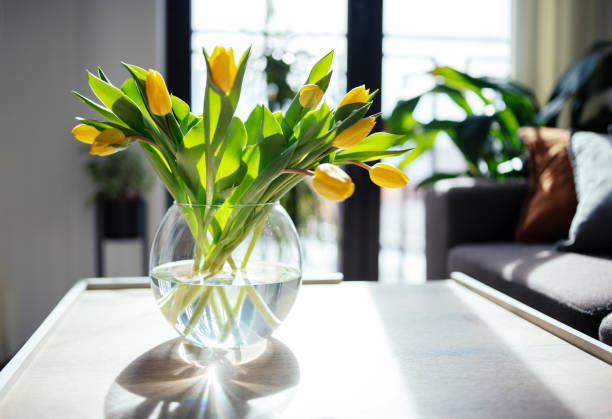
(217, 160)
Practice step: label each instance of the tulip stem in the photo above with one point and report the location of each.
(144, 140)
(360, 164)
(299, 171)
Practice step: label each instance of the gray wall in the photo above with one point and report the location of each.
(46, 224)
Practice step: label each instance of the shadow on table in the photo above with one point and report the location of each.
(455, 365)
(176, 379)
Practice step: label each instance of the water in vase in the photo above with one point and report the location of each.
(225, 311)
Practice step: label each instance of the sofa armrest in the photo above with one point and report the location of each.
(467, 210)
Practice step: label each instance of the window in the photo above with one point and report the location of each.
(471, 35)
(286, 39)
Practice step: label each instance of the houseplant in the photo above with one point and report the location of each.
(121, 181)
(226, 176)
(488, 139)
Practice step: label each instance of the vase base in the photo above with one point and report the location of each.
(204, 355)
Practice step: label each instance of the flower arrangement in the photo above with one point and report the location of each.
(219, 163)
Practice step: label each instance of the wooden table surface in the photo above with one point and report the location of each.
(346, 351)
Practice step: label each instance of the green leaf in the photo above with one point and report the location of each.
(121, 105)
(353, 117)
(191, 161)
(218, 112)
(100, 109)
(234, 94)
(270, 139)
(509, 126)
(102, 75)
(321, 68)
(401, 120)
(471, 136)
(161, 167)
(180, 108)
(136, 72)
(252, 188)
(367, 156)
(132, 91)
(438, 176)
(253, 124)
(455, 95)
(303, 132)
(324, 82)
(102, 125)
(269, 125)
(423, 142)
(373, 147)
(231, 167)
(345, 111)
(462, 81)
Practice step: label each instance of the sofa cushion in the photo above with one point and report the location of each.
(591, 229)
(573, 288)
(550, 206)
(605, 330)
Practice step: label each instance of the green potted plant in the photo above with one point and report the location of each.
(121, 180)
(488, 139)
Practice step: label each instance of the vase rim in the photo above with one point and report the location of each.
(255, 204)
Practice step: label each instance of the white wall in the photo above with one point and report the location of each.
(46, 225)
(551, 34)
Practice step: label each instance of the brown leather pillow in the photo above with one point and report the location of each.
(551, 203)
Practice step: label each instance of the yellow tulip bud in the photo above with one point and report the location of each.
(100, 150)
(103, 144)
(388, 176)
(310, 96)
(222, 68)
(85, 133)
(157, 94)
(354, 134)
(357, 95)
(332, 183)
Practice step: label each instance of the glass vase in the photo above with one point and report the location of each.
(225, 277)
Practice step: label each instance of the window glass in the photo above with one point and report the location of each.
(286, 37)
(470, 35)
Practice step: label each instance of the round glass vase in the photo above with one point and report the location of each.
(225, 277)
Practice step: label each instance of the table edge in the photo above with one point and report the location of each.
(13, 369)
(582, 341)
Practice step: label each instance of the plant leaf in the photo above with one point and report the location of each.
(320, 69)
(373, 147)
(438, 176)
(106, 113)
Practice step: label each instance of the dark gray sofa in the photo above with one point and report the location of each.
(470, 229)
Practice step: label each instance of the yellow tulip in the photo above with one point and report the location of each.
(310, 96)
(103, 144)
(157, 94)
(85, 133)
(388, 176)
(357, 95)
(222, 68)
(332, 183)
(354, 134)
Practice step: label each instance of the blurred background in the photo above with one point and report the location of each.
(55, 221)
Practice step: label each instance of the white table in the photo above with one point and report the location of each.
(349, 350)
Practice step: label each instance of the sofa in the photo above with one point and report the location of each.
(470, 229)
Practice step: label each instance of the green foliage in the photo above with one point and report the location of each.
(485, 140)
(585, 83)
(219, 163)
(120, 176)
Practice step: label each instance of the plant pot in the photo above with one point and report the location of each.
(122, 219)
(226, 287)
